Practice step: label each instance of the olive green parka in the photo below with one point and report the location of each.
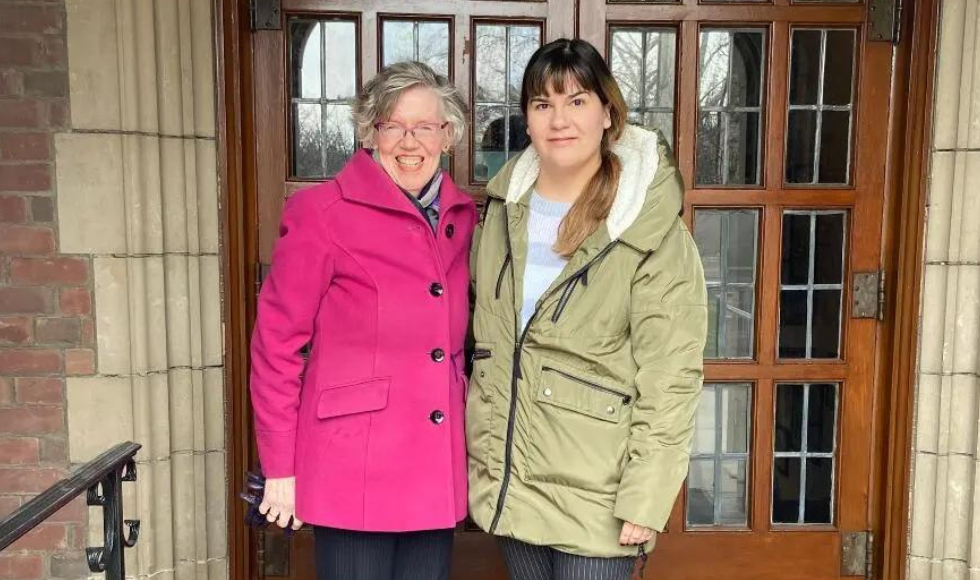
(584, 419)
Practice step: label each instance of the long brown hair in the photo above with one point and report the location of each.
(552, 66)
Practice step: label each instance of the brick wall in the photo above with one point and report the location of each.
(46, 327)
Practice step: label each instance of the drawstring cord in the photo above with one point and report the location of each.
(641, 562)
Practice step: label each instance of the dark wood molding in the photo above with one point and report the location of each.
(907, 181)
(234, 106)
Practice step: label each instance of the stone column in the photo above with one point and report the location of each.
(945, 520)
(137, 187)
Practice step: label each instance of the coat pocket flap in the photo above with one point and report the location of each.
(350, 398)
(574, 393)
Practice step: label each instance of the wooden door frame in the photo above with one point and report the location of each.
(910, 138)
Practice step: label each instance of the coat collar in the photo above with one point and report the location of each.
(364, 181)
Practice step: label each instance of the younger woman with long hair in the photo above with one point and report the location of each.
(590, 321)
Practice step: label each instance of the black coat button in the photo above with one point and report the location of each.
(435, 289)
(437, 417)
(438, 355)
(450, 230)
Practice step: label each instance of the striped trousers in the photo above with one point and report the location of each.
(350, 555)
(528, 562)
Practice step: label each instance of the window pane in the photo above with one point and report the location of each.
(491, 63)
(398, 41)
(704, 422)
(524, 40)
(643, 60)
(732, 67)
(701, 492)
(838, 85)
(835, 140)
(306, 42)
(502, 53)
(307, 141)
(733, 495)
(660, 66)
(711, 149)
(434, 46)
(786, 490)
(796, 248)
(805, 73)
(728, 243)
(819, 490)
(716, 331)
(715, 63)
(789, 418)
(338, 136)
(736, 406)
(829, 251)
(826, 324)
(626, 64)
(739, 323)
(801, 146)
(746, 69)
(793, 318)
(743, 245)
(341, 59)
(743, 148)
(821, 418)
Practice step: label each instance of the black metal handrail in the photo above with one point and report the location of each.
(102, 479)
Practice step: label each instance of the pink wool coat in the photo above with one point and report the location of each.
(372, 426)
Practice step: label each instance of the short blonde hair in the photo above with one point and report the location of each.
(378, 97)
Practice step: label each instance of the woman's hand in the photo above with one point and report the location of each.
(633, 534)
(279, 502)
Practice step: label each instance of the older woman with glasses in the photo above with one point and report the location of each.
(364, 440)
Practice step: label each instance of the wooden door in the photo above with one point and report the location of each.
(778, 116)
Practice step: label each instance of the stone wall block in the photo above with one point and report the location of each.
(94, 80)
(179, 200)
(214, 409)
(939, 206)
(202, 54)
(178, 309)
(208, 228)
(931, 352)
(928, 405)
(91, 206)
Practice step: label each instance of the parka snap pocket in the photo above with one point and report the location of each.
(350, 398)
(578, 431)
(572, 392)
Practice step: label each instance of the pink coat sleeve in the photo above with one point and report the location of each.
(288, 302)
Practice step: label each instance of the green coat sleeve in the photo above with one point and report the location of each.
(668, 327)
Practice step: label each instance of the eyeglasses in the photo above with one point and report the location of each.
(420, 132)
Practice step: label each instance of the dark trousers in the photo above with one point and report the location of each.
(528, 562)
(350, 555)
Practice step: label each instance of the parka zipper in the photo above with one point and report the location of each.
(583, 276)
(626, 398)
(503, 269)
(516, 374)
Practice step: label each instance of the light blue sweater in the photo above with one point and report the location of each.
(543, 263)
